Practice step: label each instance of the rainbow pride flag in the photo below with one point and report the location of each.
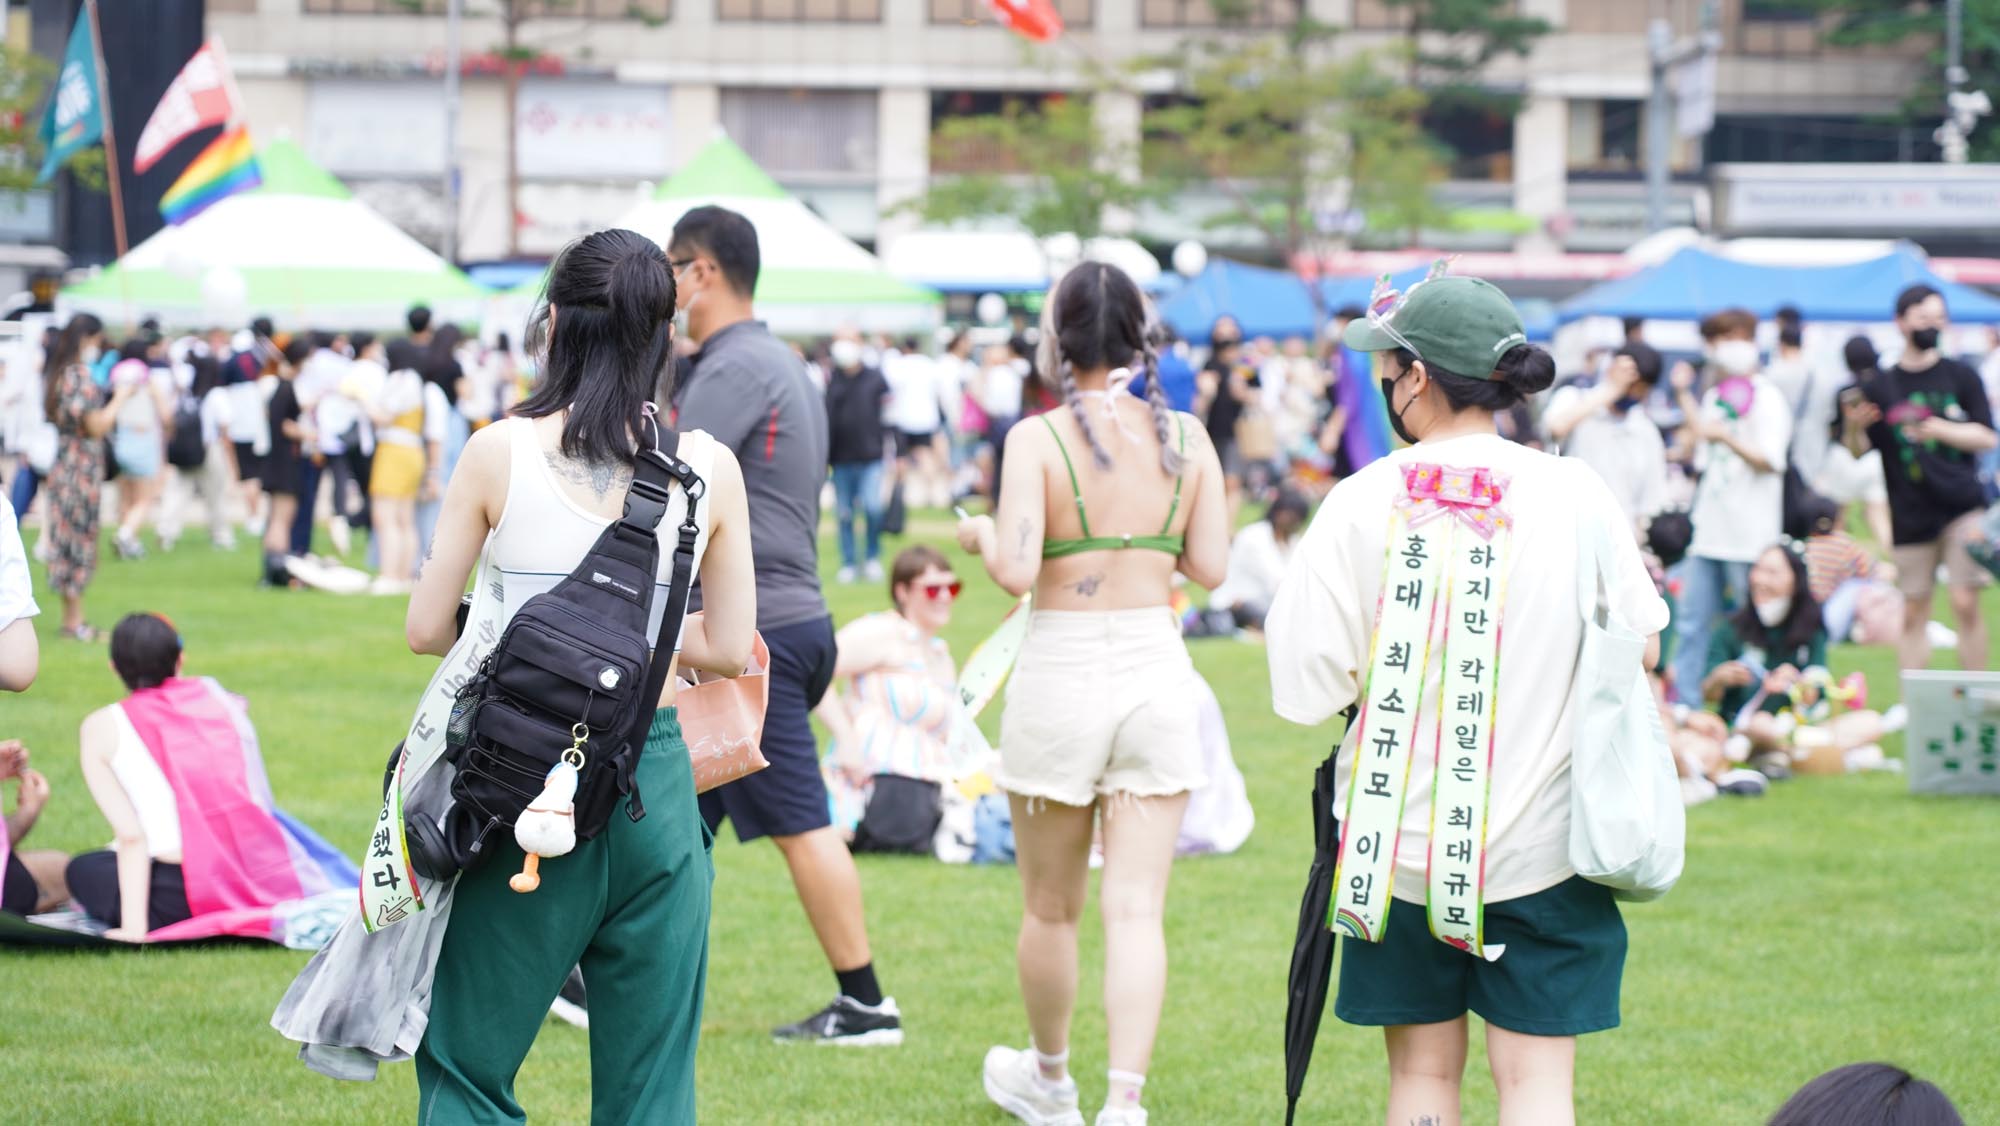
(1368, 436)
(226, 167)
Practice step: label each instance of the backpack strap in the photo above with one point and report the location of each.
(645, 505)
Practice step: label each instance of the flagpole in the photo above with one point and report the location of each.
(110, 138)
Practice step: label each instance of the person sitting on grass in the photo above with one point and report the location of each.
(30, 882)
(201, 849)
(1768, 653)
(1258, 557)
(896, 715)
(1855, 590)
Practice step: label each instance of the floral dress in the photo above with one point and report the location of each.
(75, 485)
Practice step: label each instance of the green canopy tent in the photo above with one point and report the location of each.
(813, 279)
(299, 249)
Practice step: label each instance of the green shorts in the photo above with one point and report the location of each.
(1559, 976)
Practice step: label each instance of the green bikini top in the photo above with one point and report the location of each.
(1172, 545)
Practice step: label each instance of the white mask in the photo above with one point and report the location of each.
(1737, 357)
(846, 354)
(1773, 611)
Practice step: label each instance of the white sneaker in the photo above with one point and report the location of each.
(844, 576)
(1122, 1116)
(1014, 1082)
(873, 571)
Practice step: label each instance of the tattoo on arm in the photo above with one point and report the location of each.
(600, 477)
(1087, 585)
(1426, 1120)
(1024, 530)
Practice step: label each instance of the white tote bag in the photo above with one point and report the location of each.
(1628, 827)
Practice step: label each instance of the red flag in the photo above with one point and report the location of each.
(202, 95)
(1035, 19)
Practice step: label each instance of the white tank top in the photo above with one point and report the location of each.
(543, 534)
(147, 789)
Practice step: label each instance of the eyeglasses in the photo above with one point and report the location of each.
(938, 591)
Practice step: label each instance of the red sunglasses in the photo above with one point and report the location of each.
(935, 591)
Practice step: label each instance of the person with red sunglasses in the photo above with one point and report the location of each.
(891, 711)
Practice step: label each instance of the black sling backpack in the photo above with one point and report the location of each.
(574, 671)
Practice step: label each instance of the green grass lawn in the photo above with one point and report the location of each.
(1835, 920)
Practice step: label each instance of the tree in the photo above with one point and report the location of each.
(24, 80)
(1043, 166)
(1454, 40)
(1299, 141)
(1877, 22)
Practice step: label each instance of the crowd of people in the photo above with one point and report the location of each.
(1115, 464)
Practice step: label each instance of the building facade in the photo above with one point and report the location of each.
(839, 99)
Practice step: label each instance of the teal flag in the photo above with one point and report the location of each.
(75, 118)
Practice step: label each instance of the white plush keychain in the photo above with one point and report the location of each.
(547, 827)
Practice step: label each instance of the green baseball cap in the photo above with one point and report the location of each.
(1460, 325)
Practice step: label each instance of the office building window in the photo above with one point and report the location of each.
(538, 9)
(1074, 13)
(800, 11)
(1218, 13)
(804, 132)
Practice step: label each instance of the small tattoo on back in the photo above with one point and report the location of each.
(1087, 585)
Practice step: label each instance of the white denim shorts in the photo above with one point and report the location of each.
(1101, 703)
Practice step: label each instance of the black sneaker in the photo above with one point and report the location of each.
(570, 1005)
(847, 1022)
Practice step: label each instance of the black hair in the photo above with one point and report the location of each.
(1802, 622)
(440, 365)
(1216, 339)
(1913, 296)
(607, 314)
(360, 341)
(1791, 335)
(1668, 536)
(1645, 358)
(1289, 500)
(503, 343)
(136, 347)
(262, 328)
(145, 651)
(1350, 313)
(1632, 325)
(910, 344)
(1523, 370)
(207, 375)
(1861, 354)
(298, 349)
(1788, 316)
(68, 350)
(1868, 1094)
(725, 236)
(418, 318)
(1096, 318)
(1814, 515)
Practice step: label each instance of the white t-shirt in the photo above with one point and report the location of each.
(17, 586)
(1000, 394)
(913, 393)
(249, 418)
(1845, 479)
(1626, 450)
(1323, 620)
(214, 416)
(1739, 511)
(1257, 563)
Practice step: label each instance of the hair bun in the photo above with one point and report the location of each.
(1527, 369)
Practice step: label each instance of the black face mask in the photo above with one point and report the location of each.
(1626, 403)
(1924, 339)
(1396, 416)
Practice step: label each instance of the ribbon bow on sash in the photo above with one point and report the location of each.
(1442, 597)
(1471, 495)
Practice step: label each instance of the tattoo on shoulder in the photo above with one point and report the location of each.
(1087, 585)
(600, 477)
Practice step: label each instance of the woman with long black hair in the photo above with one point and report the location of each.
(1100, 725)
(534, 492)
(82, 417)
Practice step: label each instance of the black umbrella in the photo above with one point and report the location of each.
(1312, 950)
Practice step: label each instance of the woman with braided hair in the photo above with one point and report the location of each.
(1103, 500)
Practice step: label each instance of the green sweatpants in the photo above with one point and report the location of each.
(632, 908)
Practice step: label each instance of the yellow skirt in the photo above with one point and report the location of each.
(398, 472)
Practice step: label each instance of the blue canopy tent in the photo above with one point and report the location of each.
(1264, 301)
(1694, 283)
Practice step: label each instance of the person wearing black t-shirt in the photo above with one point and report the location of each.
(855, 394)
(1929, 417)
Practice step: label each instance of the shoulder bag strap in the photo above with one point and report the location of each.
(645, 505)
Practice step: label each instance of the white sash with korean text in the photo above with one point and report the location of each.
(1446, 560)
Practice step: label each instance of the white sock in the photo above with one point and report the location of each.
(1057, 1063)
(1130, 1079)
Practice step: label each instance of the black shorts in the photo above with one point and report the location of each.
(788, 797)
(249, 463)
(18, 890)
(908, 441)
(93, 884)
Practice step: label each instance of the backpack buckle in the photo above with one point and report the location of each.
(645, 504)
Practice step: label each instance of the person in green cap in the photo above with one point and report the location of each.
(1437, 591)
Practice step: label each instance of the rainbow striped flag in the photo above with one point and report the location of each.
(1368, 436)
(226, 167)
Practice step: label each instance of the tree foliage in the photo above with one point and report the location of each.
(24, 82)
(1454, 40)
(1043, 166)
(1880, 22)
(1278, 126)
